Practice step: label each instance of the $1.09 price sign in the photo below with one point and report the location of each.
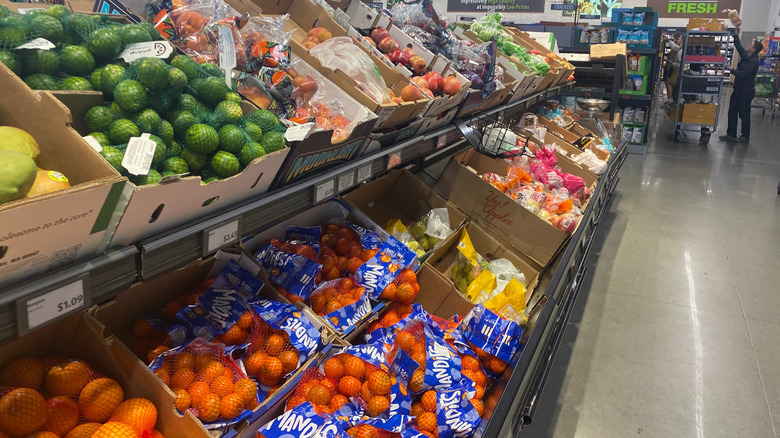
(34, 312)
(221, 235)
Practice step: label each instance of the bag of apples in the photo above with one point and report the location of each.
(281, 340)
(58, 396)
(207, 382)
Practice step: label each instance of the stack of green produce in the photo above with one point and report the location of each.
(197, 121)
(489, 27)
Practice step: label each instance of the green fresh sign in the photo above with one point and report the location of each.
(692, 8)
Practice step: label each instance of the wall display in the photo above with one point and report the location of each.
(513, 6)
(693, 9)
(591, 8)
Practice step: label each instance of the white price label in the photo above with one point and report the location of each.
(38, 43)
(149, 49)
(364, 173)
(298, 133)
(222, 235)
(227, 53)
(324, 191)
(139, 154)
(93, 143)
(384, 114)
(56, 303)
(346, 181)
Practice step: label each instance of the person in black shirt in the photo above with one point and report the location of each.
(744, 89)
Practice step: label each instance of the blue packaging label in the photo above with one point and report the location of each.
(304, 234)
(293, 272)
(404, 367)
(369, 239)
(387, 334)
(455, 415)
(349, 316)
(442, 365)
(377, 273)
(300, 422)
(493, 334)
(400, 401)
(302, 333)
(177, 333)
(375, 354)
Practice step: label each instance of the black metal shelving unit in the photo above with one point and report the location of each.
(107, 274)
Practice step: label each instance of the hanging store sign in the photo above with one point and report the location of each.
(693, 9)
(502, 6)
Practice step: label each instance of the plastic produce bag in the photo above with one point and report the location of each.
(574, 184)
(438, 223)
(591, 161)
(340, 53)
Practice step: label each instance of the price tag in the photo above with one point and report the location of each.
(346, 181)
(38, 43)
(93, 143)
(52, 305)
(227, 53)
(298, 133)
(221, 235)
(149, 49)
(364, 173)
(324, 190)
(139, 154)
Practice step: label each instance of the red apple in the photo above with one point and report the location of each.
(379, 34)
(420, 81)
(399, 57)
(417, 64)
(388, 45)
(450, 86)
(435, 81)
(428, 92)
(320, 34)
(410, 52)
(410, 93)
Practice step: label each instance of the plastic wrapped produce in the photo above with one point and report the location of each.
(591, 161)
(341, 54)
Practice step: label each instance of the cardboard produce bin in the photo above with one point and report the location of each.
(461, 184)
(150, 298)
(79, 336)
(42, 233)
(444, 300)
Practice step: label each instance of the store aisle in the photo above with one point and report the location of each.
(675, 333)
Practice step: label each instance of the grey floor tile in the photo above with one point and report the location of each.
(764, 336)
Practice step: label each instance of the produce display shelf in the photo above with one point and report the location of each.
(561, 282)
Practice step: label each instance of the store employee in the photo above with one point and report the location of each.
(744, 88)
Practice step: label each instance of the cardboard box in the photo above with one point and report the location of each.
(119, 315)
(439, 296)
(400, 195)
(80, 336)
(45, 232)
(699, 113)
(461, 184)
(176, 201)
(711, 24)
(432, 123)
(559, 65)
(607, 51)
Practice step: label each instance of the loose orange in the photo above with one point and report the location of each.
(231, 406)
(245, 321)
(99, 399)
(22, 412)
(469, 362)
(428, 401)
(334, 368)
(379, 383)
(427, 421)
(63, 415)
(83, 430)
(209, 408)
(349, 386)
(377, 405)
(68, 379)
(185, 359)
(115, 429)
(222, 386)
(24, 372)
(354, 366)
(289, 360)
(197, 391)
(317, 302)
(319, 395)
(246, 388)
(337, 401)
(478, 405)
(274, 344)
(182, 378)
(270, 371)
(183, 399)
(211, 372)
(406, 341)
(139, 413)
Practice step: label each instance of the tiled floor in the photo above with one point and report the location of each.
(676, 332)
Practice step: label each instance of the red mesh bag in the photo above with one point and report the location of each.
(270, 356)
(412, 341)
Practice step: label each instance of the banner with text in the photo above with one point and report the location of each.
(693, 9)
(502, 6)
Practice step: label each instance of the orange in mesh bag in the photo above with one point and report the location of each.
(412, 341)
(270, 355)
(212, 383)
